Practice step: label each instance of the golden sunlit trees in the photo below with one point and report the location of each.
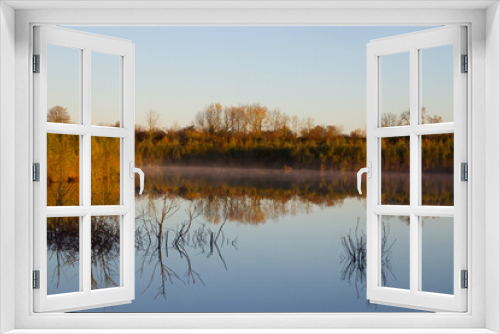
(105, 171)
(253, 136)
(358, 133)
(257, 116)
(210, 120)
(63, 170)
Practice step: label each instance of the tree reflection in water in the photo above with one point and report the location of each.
(154, 244)
(354, 259)
(185, 212)
(105, 239)
(63, 249)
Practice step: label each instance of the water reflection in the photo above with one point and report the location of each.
(63, 254)
(105, 241)
(354, 259)
(156, 238)
(251, 196)
(208, 238)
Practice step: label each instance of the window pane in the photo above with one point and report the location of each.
(437, 254)
(105, 252)
(63, 170)
(395, 89)
(395, 251)
(395, 168)
(63, 264)
(63, 84)
(437, 84)
(105, 89)
(105, 171)
(437, 169)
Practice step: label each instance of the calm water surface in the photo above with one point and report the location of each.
(228, 240)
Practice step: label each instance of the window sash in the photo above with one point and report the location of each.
(85, 298)
(413, 43)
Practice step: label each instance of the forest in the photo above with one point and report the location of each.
(254, 136)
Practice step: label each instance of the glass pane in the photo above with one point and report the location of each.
(395, 89)
(437, 169)
(437, 254)
(63, 170)
(63, 246)
(105, 89)
(105, 171)
(437, 84)
(63, 84)
(105, 252)
(395, 170)
(395, 252)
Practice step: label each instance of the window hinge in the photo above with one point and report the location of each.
(36, 279)
(465, 279)
(464, 173)
(465, 64)
(36, 172)
(36, 63)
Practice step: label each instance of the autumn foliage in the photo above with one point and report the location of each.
(252, 136)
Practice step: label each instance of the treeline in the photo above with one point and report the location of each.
(254, 136)
(437, 154)
(250, 135)
(242, 136)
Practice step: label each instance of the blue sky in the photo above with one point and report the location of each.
(317, 72)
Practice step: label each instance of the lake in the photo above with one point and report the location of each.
(241, 240)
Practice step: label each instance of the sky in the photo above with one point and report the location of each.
(317, 72)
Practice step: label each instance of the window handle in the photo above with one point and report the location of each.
(368, 171)
(139, 171)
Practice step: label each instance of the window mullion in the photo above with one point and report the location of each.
(85, 255)
(414, 171)
(86, 243)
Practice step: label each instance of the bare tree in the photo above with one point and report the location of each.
(278, 122)
(306, 126)
(427, 119)
(230, 119)
(404, 118)
(152, 121)
(199, 121)
(389, 119)
(58, 114)
(240, 120)
(213, 117)
(295, 124)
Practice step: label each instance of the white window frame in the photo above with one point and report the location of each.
(123, 50)
(413, 44)
(483, 102)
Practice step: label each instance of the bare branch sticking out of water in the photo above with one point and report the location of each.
(354, 258)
